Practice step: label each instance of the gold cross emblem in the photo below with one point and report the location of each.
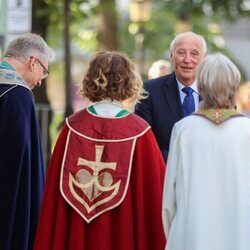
(217, 116)
(91, 181)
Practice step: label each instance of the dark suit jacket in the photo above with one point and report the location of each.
(162, 109)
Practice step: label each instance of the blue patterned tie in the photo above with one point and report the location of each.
(188, 103)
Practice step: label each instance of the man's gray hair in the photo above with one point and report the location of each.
(27, 45)
(188, 33)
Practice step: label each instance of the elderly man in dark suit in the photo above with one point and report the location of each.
(170, 96)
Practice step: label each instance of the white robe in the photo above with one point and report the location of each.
(206, 200)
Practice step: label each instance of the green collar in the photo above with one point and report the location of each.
(5, 65)
(121, 113)
(218, 116)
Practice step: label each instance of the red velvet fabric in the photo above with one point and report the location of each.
(136, 224)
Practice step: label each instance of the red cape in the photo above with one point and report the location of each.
(136, 224)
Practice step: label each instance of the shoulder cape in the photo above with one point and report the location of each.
(97, 161)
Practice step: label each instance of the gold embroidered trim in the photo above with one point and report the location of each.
(218, 116)
(104, 140)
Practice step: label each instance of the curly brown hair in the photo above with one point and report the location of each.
(112, 75)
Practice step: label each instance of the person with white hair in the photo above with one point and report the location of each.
(206, 190)
(24, 65)
(175, 95)
(159, 68)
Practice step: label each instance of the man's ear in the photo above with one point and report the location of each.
(33, 60)
(31, 63)
(171, 57)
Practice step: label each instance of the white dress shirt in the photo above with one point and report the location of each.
(195, 93)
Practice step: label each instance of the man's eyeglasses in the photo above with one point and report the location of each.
(45, 71)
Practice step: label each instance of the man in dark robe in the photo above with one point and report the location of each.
(21, 163)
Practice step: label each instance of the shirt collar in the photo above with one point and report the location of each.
(194, 86)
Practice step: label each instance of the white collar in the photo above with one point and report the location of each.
(108, 108)
(194, 86)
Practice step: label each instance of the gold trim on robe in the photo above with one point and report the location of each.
(218, 116)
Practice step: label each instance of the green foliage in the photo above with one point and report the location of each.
(221, 9)
(84, 34)
(201, 15)
(81, 22)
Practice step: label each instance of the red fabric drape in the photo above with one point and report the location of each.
(135, 224)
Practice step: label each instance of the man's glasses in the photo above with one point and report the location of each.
(45, 71)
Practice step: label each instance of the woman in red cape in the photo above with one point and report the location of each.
(105, 179)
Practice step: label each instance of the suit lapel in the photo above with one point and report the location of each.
(172, 96)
